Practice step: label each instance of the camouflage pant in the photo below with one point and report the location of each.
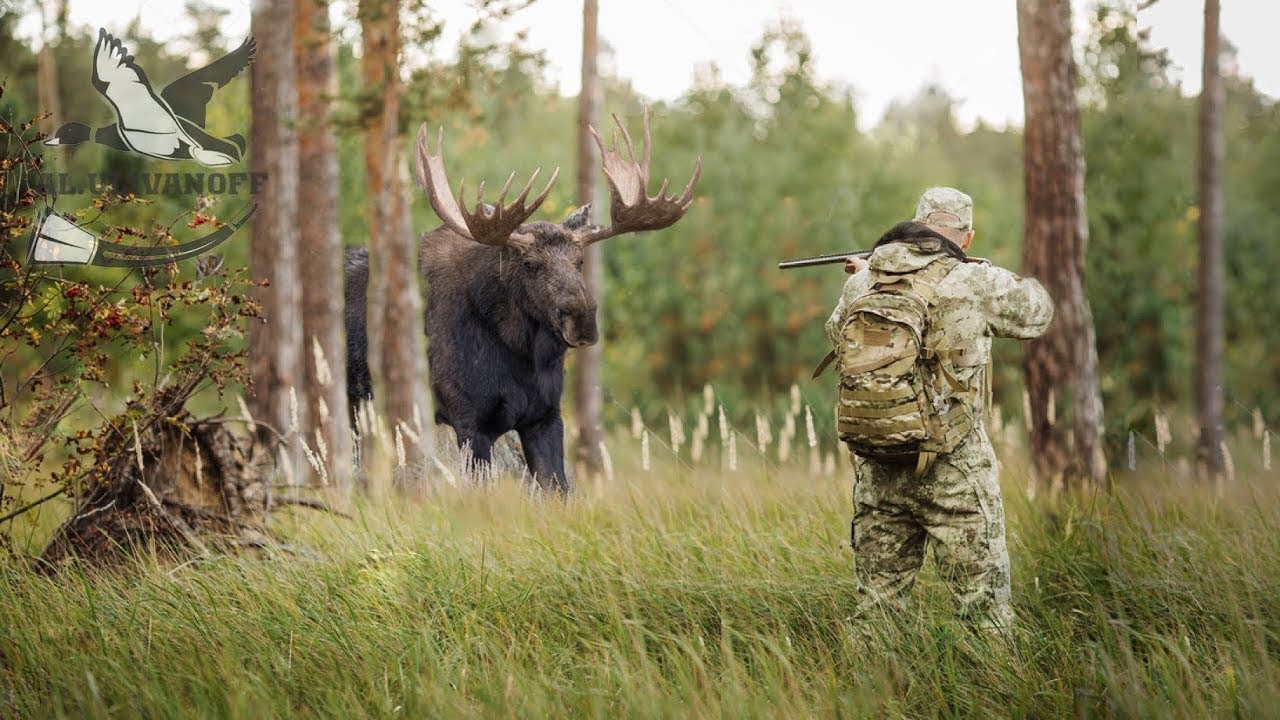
(956, 508)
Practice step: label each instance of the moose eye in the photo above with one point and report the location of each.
(530, 263)
(579, 264)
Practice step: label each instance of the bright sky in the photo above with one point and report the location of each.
(883, 50)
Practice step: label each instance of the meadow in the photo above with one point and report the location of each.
(670, 588)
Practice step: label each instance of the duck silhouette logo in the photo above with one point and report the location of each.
(167, 126)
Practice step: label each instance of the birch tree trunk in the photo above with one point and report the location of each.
(1062, 366)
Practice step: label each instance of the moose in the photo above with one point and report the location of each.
(506, 299)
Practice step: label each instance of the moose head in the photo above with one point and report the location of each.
(542, 261)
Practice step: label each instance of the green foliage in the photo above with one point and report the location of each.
(1251, 186)
(1139, 135)
(787, 172)
(1141, 140)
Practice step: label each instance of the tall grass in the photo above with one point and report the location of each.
(682, 590)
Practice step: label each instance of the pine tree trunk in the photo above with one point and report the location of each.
(395, 309)
(404, 356)
(1209, 303)
(588, 361)
(380, 105)
(320, 247)
(1062, 366)
(275, 345)
(47, 93)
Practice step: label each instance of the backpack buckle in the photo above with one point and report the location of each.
(924, 462)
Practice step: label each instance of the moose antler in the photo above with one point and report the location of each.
(630, 207)
(489, 225)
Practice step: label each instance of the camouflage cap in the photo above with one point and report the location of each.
(946, 200)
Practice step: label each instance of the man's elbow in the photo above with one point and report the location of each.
(1039, 310)
(1027, 312)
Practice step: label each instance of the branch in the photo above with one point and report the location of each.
(309, 503)
(33, 505)
(280, 438)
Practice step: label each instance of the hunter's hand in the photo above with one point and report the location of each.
(855, 264)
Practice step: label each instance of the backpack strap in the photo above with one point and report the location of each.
(888, 362)
(924, 462)
(824, 364)
(924, 282)
(935, 272)
(989, 398)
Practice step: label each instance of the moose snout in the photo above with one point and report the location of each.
(579, 328)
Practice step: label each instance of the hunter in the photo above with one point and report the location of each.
(912, 336)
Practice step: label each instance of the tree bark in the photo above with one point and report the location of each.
(395, 299)
(320, 247)
(1209, 310)
(404, 356)
(379, 106)
(48, 97)
(1062, 366)
(275, 345)
(588, 361)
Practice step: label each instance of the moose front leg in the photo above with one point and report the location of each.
(476, 449)
(543, 445)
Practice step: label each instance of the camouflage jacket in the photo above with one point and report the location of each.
(975, 302)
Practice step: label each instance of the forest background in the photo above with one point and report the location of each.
(789, 173)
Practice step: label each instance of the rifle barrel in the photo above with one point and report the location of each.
(821, 259)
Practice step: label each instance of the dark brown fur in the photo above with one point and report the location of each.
(498, 321)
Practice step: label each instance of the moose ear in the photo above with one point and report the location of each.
(578, 219)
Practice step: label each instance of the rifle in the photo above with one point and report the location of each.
(841, 257)
(822, 259)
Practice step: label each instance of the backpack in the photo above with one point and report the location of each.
(900, 400)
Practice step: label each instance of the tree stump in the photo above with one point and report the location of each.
(193, 486)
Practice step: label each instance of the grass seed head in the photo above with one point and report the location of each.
(637, 423)
(644, 450)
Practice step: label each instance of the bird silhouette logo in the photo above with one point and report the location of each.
(167, 126)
